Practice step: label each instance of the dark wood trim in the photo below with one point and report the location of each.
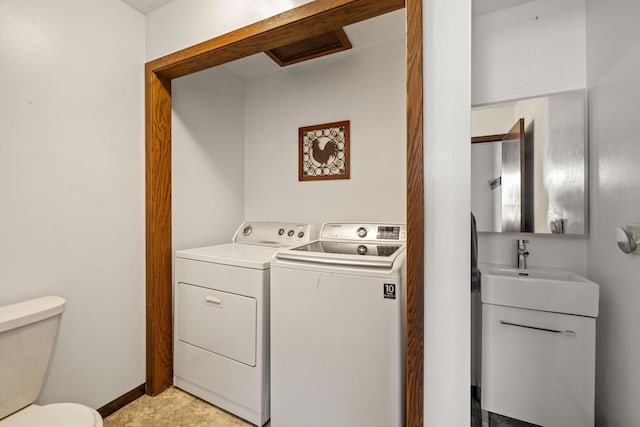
(415, 219)
(487, 138)
(311, 19)
(122, 401)
(159, 325)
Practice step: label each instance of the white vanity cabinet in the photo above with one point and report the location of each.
(538, 346)
(538, 366)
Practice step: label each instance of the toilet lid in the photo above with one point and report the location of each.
(54, 415)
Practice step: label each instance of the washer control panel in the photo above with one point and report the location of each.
(277, 234)
(382, 232)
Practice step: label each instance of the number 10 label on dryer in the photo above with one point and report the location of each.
(390, 291)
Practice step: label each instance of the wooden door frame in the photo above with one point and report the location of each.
(305, 21)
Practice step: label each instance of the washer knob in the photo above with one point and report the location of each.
(290, 233)
(301, 234)
(247, 230)
(362, 232)
(362, 250)
(281, 232)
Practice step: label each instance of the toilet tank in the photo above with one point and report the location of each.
(27, 333)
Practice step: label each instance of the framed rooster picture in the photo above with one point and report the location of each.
(323, 151)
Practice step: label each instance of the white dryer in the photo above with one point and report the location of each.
(221, 335)
(337, 329)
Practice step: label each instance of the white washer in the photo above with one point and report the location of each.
(221, 337)
(337, 329)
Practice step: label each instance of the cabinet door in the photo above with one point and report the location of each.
(538, 366)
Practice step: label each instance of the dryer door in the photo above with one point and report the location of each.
(219, 322)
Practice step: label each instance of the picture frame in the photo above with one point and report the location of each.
(323, 151)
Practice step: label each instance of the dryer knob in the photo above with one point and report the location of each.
(301, 234)
(247, 230)
(362, 232)
(281, 232)
(290, 233)
(362, 250)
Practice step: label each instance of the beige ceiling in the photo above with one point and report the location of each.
(146, 6)
(363, 34)
(480, 7)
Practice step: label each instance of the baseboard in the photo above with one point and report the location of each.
(122, 401)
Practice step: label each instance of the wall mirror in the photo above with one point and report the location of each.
(528, 165)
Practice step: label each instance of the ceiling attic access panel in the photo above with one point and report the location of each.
(310, 48)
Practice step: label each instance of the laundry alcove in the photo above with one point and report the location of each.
(308, 20)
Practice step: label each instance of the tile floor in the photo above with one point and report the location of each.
(172, 408)
(495, 420)
(175, 408)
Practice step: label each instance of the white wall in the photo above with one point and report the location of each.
(183, 23)
(72, 185)
(447, 160)
(365, 86)
(533, 49)
(207, 158)
(613, 43)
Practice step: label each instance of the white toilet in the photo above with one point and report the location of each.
(27, 333)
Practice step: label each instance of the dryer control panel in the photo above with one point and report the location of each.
(275, 234)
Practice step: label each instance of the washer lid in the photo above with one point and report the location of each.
(347, 254)
(235, 254)
(349, 248)
(54, 415)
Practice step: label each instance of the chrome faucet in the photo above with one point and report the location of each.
(521, 246)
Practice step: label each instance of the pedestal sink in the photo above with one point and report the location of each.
(538, 345)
